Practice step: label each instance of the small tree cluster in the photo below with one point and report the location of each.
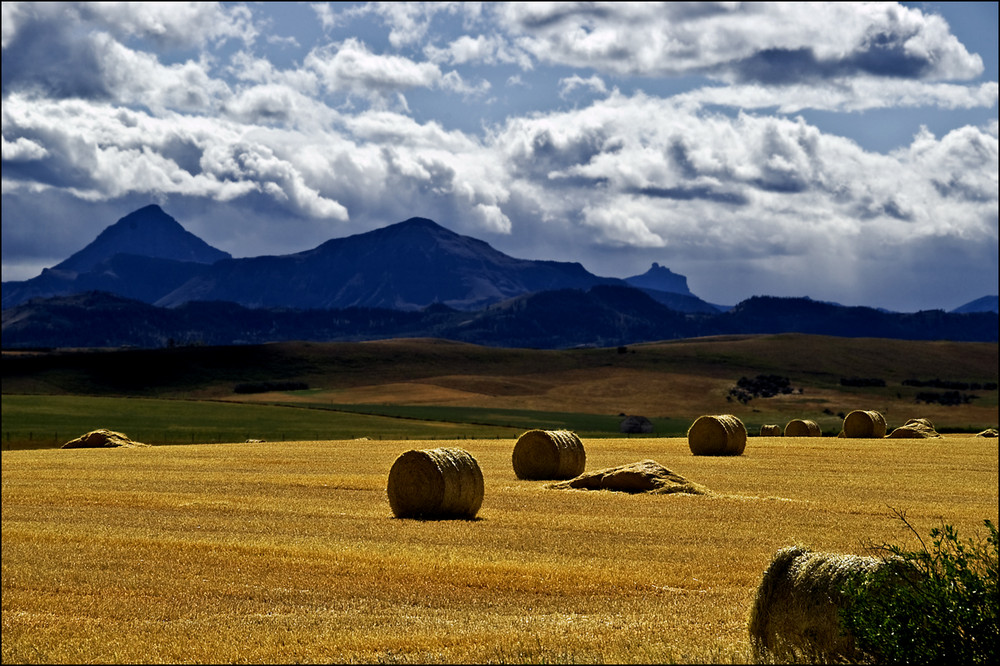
(949, 398)
(954, 386)
(761, 386)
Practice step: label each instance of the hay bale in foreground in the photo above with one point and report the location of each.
(795, 616)
(718, 435)
(645, 476)
(770, 430)
(100, 439)
(802, 428)
(914, 429)
(548, 454)
(435, 483)
(864, 424)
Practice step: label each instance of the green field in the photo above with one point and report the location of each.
(50, 421)
(31, 422)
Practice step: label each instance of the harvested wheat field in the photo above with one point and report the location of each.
(290, 552)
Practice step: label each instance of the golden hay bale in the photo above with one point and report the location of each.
(802, 428)
(914, 429)
(772, 430)
(718, 435)
(795, 616)
(989, 432)
(645, 476)
(102, 438)
(548, 454)
(864, 424)
(435, 483)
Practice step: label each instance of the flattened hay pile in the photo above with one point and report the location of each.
(645, 476)
(795, 616)
(435, 484)
(914, 429)
(102, 439)
(718, 435)
(548, 455)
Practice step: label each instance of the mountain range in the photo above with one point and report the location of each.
(148, 256)
(146, 281)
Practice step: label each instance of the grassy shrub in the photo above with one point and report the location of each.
(935, 604)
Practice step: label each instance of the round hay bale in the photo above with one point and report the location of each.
(795, 616)
(548, 454)
(718, 435)
(864, 424)
(802, 428)
(435, 483)
(989, 432)
(770, 430)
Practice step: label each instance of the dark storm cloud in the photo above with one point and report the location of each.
(784, 66)
(545, 152)
(677, 150)
(691, 192)
(771, 43)
(556, 14)
(69, 161)
(183, 152)
(46, 58)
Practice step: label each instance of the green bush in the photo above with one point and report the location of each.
(936, 604)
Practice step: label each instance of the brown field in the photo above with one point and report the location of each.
(678, 379)
(289, 552)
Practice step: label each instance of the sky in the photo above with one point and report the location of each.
(845, 152)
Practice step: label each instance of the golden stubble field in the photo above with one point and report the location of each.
(289, 552)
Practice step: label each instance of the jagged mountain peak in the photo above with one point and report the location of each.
(418, 222)
(415, 232)
(149, 232)
(661, 278)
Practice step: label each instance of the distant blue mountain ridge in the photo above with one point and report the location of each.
(147, 255)
(411, 265)
(984, 304)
